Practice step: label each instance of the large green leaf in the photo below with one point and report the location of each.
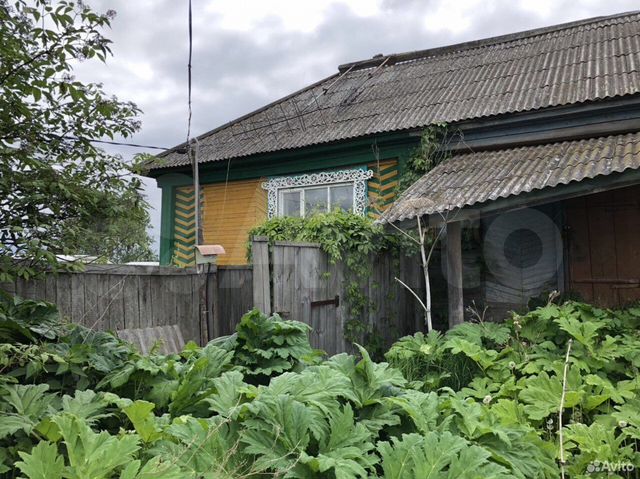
(90, 454)
(277, 433)
(346, 450)
(156, 468)
(87, 405)
(197, 383)
(228, 395)
(140, 413)
(202, 447)
(24, 407)
(542, 395)
(437, 456)
(422, 408)
(585, 332)
(43, 462)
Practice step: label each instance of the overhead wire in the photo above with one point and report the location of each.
(117, 143)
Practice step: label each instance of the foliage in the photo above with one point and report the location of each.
(341, 235)
(54, 184)
(426, 156)
(344, 237)
(481, 401)
(117, 233)
(266, 346)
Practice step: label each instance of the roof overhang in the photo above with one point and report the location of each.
(537, 198)
(479, 184)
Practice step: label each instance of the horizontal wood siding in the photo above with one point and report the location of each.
(382, 186)
(229, 212)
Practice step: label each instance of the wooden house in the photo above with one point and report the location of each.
(552, 189)
(544, 160)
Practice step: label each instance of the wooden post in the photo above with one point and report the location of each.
(215, 305)
(261, 276)
(454, 274)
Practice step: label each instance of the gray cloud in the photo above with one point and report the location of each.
(235, 72)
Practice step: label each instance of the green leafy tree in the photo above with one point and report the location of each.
(118, 232)
(52, 178)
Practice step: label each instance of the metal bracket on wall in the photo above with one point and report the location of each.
(324, 302)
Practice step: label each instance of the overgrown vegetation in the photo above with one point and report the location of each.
(59, 193)
(482, 401)
(346, 237)
(426, 156)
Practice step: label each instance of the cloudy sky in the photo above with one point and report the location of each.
(250, 52)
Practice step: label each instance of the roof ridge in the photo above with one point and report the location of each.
(393, 58)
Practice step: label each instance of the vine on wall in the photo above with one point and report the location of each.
(426, 156)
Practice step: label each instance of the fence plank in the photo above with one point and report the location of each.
(63, 294)
(261, 276)
(77, 298)
(130, 302)
(235, 296)
(90, 317)
(116, 302)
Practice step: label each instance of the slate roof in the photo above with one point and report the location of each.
(473, 178)
(576, 62)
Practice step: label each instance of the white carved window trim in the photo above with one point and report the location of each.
(357, 177)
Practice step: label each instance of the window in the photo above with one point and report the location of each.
(315, 199)
(303, 195)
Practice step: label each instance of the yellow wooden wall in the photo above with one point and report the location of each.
(229, 212)
(382, 186)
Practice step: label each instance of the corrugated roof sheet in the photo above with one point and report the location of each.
(472, 178)
(577, 62)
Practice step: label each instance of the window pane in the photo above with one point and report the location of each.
(342, 197)
(290, 203)
(315, 201)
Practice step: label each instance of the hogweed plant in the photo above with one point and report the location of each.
(550, 392)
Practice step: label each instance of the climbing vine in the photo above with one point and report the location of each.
(355, 239)
(346, 237)
(426, 156)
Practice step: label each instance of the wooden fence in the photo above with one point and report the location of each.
(234, 292)
(296, 280)
(117, 297)
(302, 283)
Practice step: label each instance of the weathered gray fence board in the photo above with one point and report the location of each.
(302, 283)
(111, 297)
(169, 338)
(130, 302)
(235, 296)
(261, 283)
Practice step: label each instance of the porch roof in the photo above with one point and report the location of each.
(475, 178)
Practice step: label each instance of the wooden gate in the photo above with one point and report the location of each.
(300, 282)
(604, 246)
(308, 288)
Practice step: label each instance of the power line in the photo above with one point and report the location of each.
(132, 145)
